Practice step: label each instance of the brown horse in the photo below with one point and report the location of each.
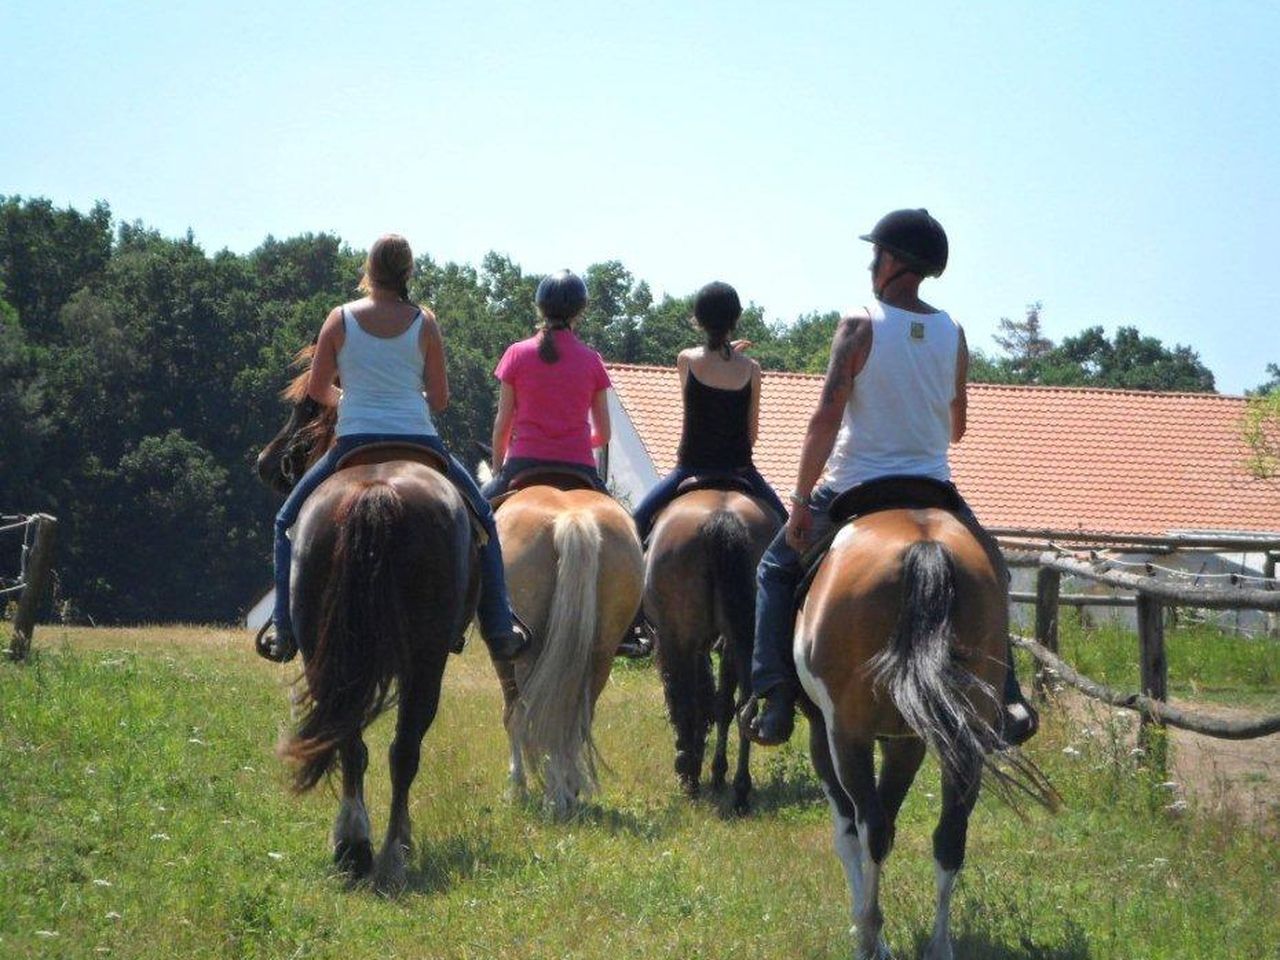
(575, 573)
(700, 586)
(902, 639)
(384, 578)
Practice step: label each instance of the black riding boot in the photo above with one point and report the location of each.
(1019, 720)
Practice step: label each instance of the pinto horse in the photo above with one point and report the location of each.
(384, 584)
(575, 573)
(700, 586)
(902, 640)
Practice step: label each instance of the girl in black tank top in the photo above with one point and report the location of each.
(717, 433)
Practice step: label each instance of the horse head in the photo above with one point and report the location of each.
(304, 437)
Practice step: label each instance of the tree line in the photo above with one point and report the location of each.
(139, 376)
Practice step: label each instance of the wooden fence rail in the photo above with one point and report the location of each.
(1152, 595)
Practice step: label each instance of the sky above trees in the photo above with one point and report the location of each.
(1113, 162)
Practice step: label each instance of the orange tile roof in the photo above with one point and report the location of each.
(1065, 458)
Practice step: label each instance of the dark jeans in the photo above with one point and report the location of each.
(780, 573)
(665, 491)
(494, 609)
(502, 479)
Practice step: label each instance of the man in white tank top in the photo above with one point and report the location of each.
(893, 402)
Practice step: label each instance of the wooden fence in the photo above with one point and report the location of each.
(38, 534)
(1150, 596)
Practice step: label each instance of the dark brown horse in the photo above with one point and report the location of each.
(700, 586)
(383, 587)
(902, 640)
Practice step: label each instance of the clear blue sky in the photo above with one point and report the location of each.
(1118, 161)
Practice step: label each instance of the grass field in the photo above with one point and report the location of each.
(143, 814)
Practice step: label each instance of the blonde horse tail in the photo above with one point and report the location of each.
(553, 724)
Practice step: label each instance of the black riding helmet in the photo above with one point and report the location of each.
(913, 237)
(561, 296)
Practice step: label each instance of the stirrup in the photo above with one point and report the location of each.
(638, 642)
(276, 648)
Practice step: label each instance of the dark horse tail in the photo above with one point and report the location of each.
(733, 580)
(360, 644)
(933, 690)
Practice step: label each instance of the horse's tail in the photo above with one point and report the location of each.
(553, 723)
(934, 692)
(733, 581)
(362, 636)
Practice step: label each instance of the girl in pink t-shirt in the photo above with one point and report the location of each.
(553, 392)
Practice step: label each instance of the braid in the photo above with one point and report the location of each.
(547, 351)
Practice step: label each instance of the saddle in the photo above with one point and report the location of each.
(713, 481)
(883, 493)
(557, 476)
(390, 450)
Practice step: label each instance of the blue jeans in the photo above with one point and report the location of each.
(778, 576)
(494, 609)
(502, 479)
(665, 491)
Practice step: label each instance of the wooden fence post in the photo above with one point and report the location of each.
(1269, 571)
(1048, 583)
(38, 564)
(1154, 670)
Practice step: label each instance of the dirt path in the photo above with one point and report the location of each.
(1238, 778)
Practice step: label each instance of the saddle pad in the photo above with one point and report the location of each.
(713, 481)
(385, 452)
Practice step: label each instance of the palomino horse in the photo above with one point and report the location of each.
(700, 585)
(902, 639)
(575, 573)
(384, 584)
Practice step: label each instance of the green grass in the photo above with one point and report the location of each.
(143, 814)
(1205, 663)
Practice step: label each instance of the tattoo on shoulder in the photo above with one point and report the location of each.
(839, 376)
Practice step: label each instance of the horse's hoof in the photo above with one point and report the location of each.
(741, 804)
(354, 858)
(690, 787)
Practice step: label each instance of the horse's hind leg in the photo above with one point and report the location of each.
(686, 680)
(724, 716)
(734, 676)
(352, 848)
(419, 700)
(510, 703)
(901, 760)
(853, 761)
(958, 798)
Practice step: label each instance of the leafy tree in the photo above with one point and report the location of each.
(1024, 345)
(45, 254)
(1270, 386)
(1130, 361)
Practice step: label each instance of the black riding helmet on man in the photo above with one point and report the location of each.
(891, 412)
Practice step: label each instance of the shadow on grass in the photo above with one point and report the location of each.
(976, 943)
(440, 864)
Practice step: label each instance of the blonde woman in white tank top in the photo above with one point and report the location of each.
(389, 355)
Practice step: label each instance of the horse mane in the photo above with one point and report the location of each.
(319, 430)
(296, 391)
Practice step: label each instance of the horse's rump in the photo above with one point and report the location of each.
(860, 597)
(382, 571)
(574, 574)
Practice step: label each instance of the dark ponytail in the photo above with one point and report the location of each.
(547, 351)
(717, 309)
